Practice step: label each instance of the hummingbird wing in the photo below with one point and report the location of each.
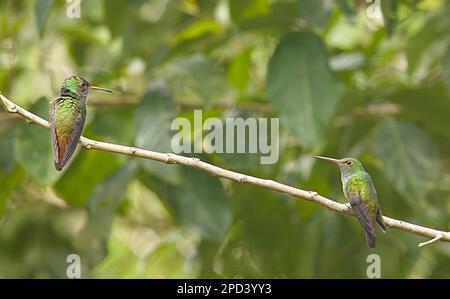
(64, 145)
(363, 215)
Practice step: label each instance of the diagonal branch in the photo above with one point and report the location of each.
(169, 158)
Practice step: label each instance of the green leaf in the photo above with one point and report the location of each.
(198, 29)
(432, 113)
(249, 9)
(389, 9)
(410, 158)
(88, 170)
(107, 196)
(166, 261)
(41, 11)
(200, 203)
(202, 77)
(34, 149)
(316, 12)
(115, 15)
(153, 120)
(115, 125)
(302, 88)
(239, 70)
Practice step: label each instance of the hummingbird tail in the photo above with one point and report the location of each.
(370, 240)
(380, 220)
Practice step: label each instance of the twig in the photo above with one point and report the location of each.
(170, 158)
(437, 238)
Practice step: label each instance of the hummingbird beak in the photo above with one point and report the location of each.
(334, 161)
(99, 88)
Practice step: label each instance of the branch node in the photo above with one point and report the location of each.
(243, 179)
(313, 194)
(170, 159)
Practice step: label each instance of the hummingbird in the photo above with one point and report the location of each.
(67, 118)
(360, 191)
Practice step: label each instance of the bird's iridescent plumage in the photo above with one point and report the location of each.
(360, 191)
(67, 118)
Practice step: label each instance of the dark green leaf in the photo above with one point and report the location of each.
(302, 88)
(316, 12)
(106, 197)
(115, 15)
(42, 9)
(88, 169)
(153, 120)
(200, 203)
(410, 158)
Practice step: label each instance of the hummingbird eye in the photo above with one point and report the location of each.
(348, 162)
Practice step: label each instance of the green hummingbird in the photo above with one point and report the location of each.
(67, 117)
(360, 191)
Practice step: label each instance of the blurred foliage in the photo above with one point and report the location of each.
(346, 78)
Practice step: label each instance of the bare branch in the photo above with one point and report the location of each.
(170, 158)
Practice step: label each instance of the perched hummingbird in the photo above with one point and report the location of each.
(67, 117)
(360, 192)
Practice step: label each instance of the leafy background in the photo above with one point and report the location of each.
(344, 79)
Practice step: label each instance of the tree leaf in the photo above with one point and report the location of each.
(41, 11)
(107, 196)
(153, 119)
(202, 77)
(200, 203)
(432, 114)
(34, 149)
(410, 158)
(115, 15)
(249, 9)
(302, 88)
(316, 12)
(88, 170)
(239, 70)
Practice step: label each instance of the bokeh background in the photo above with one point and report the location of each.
(346, 78)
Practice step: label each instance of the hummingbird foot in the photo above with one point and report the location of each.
(348, 206)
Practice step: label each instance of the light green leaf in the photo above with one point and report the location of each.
(34, 149)
(239, 70)
(198, 29)
(200, 203)
(153, 120)
(410, 158)
(302, 88)
(249, 9)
